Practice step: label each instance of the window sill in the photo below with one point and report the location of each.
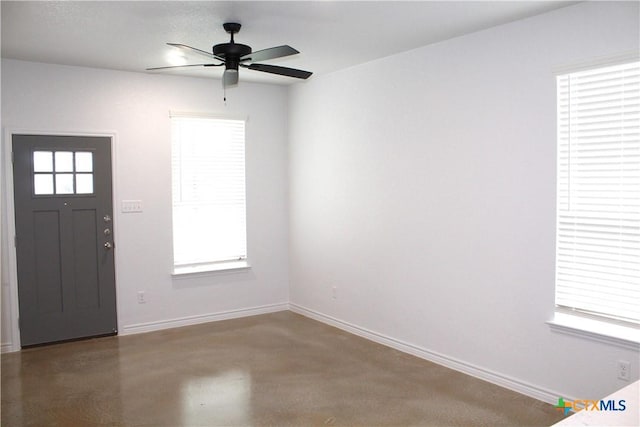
(595, 330)
(207, 269)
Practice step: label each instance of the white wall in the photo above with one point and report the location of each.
(41, 97)
(422, 187)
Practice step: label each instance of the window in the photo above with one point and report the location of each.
(598, 198)
(208, 187)
(62, 172)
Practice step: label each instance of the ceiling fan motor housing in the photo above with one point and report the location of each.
(231, 52)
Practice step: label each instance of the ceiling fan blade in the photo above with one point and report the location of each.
(183, 66)
(283, 71)
(270, 53)
(195, 50)
(229, 78)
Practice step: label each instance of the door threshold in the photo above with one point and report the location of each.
(44, 344)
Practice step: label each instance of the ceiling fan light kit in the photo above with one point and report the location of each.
(234, 55)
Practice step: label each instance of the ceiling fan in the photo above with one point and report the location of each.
(233, 55)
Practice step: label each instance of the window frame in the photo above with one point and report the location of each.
(211, 266)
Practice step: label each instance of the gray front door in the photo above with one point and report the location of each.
(64, 237)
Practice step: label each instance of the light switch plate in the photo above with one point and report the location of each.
(131, 206)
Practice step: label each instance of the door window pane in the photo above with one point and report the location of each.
(64, 183)
(62, 172)
(43, 161)
(84, 161)
(43, 183)
(84, 183)
(64, 161)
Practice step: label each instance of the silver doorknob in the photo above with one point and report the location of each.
(108, 245)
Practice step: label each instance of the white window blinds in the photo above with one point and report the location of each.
(208, 171)
(598, 200)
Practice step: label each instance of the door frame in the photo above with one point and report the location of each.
(8, 204)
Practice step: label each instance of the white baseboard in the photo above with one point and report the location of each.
(7, 347)
(513, 384)
(138, 328)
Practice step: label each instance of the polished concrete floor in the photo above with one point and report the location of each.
(278, 369)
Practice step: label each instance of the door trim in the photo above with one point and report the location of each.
(8, 205)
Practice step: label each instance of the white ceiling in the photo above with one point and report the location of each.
(331, 35)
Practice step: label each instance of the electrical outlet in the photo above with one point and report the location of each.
(141, 298)
(334, 292)
(623, 370)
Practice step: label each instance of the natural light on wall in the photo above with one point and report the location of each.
(208, 177)
(598, 199)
